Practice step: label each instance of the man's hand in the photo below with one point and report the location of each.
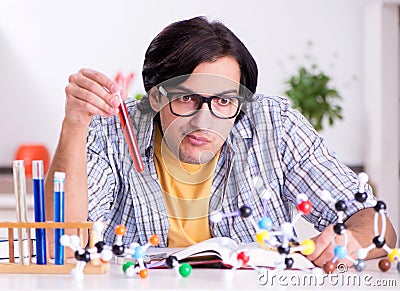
(90, 93)
(360, 233)
(324, 247)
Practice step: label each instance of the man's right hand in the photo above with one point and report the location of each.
(90, 93)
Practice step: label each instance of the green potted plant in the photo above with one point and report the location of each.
(310, 93)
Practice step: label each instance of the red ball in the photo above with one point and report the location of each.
(384, 265)
(305, 207)
(243, 257)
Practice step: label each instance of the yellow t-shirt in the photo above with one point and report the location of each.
(186, 189)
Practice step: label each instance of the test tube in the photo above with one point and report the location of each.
(20, 196)
(59, 178)
(130, 135)
(38, 199)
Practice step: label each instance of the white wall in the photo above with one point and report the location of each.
(43, 42)
(382, 102)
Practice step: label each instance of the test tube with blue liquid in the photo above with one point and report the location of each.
(38, 199)
(59, 180)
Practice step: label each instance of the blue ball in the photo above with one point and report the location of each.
(139, 253)
(265, 223)
(340, 252)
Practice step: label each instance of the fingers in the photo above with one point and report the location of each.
(100, 79)
(102, 103)
(105, 82)
(324, 250)
(92, 93)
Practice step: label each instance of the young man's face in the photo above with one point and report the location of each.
(197, 139)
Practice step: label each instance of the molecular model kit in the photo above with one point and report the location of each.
(281, 239)
(104, 253)
(340, 251)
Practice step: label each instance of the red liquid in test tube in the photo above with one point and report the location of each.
(129, 135)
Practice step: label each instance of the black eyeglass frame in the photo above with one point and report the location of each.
(202, 101)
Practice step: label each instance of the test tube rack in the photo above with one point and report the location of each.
(13, 267)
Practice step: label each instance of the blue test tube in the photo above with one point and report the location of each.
(59, 179)
(38, 200)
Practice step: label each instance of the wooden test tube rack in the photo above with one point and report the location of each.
(12, 267)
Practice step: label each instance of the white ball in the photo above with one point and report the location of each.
(301, 197)
(363, 178)
(325, 195)
(130, 272)
(362, 253)
(65, 240)
(106, 255)
(216, 217)
(75, 241)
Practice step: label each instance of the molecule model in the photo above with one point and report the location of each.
(279, 239)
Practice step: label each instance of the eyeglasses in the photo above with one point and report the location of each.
(188, 104)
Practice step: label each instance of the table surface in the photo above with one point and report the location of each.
(202, 279)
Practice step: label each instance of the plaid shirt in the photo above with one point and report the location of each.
(272, 142)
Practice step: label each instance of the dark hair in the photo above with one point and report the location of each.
(183, 45)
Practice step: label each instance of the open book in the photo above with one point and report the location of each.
(225, 250)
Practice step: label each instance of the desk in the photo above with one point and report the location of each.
(201, 279)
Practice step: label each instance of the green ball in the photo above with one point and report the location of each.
(185, 269)
(126, 265)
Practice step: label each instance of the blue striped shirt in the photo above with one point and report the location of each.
(272, 142)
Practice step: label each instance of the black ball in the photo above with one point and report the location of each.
(283, 250)
(380, 205)
(339, 228)
(84, 257)
(361, 197)
(100, 246)
(171, 261)
(379, 242)
(340, 206)
(245, 211)
(118, 250)
(289, 262)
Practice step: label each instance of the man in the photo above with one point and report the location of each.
(206, 140)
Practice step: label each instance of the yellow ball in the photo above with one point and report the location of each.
(394, 256)
(308, 247)
(262, 236)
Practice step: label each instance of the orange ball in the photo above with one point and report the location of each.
(154, 240)
(120, 230)
(143, 273)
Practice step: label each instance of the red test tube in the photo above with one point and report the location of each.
(129, 135)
